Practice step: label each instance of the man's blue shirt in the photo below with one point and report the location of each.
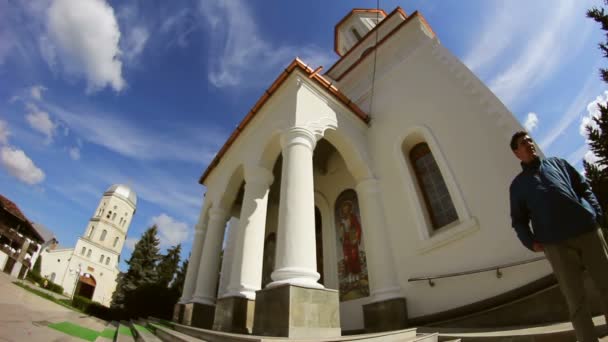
(555, 198)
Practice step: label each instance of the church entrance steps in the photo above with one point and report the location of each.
(556, 332)
(108, 333)
(142, 333)
(124, 333)
(182, 333)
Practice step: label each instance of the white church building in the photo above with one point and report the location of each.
(90, 268)
(360, 198)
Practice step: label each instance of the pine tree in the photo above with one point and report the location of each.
(37, 264)
(118, 297)
(142, 267)
(168, 265)
(180, 278)
(597, 133)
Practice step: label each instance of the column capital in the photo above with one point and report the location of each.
(298, 136)
(258, 175)
(368, 185)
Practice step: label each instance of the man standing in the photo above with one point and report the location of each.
(565, 216)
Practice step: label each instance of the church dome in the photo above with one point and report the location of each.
(124, 192)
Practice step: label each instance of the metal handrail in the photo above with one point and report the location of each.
(496, 268)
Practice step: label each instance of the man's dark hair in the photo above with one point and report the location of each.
(515, 137)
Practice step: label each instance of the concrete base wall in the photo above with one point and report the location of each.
(297, 312)
(178, 313)
(234, 314)
(386, 315)
(198, 315)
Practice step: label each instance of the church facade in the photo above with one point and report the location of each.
(346, 191)
(91, 267)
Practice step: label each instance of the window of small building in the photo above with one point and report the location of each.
(113, 216)
(53, 275)
(107, 260)
(89, 253)
(101, 258)
(437, 198)
(103, 235)
(84, 249)
(115, 241)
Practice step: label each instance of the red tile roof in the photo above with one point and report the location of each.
(12, 208)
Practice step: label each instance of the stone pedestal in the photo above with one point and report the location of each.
(178, 313)
(385, 315)
(234, 314)
(198, 315)
(297, 312)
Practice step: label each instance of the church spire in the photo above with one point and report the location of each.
(354, 26)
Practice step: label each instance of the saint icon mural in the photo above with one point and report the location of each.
(352, 267)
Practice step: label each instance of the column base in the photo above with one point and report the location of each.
(198, 315)
(234, 314)
(297, 312)
(178, 313)
(386, 315)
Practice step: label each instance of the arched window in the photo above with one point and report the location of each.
(84, 249)
(101, 258)
(120, 221)
(89, 253)
(113, 216)
(115, 241)
(103, 235)
(91, 231)
(107, 260)
(437, 198)
(53, 275)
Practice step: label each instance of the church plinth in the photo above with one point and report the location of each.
(385, 315)
(234, 314)
(178, 313)
(297, 312)
(198, 315)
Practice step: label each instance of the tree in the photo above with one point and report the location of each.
(142, 269)
(37, 264)
(180, 278)
(597, 131)
(167, 267)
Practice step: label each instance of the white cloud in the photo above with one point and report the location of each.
(18, 164)
(531, 122)
(239, 52)
(122, 136)
(40, 121)
(592, 112)
(74, 153)
(36, 92)
(171, 232)
(4, 132)
(135, 41)
(571, 113)
(130, 243)
(85, 35)
(591, 158)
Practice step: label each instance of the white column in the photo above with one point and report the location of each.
(296, 261)
(380, 265)
(195, 257)
(246, 275)
(228, 259)
(206, 281)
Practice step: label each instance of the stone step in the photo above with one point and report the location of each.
(556, 332)
(142, 333)
(182, 333)
(108, 333)
(124, 332)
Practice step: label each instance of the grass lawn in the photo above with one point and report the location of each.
(124, 330)
(75, 330)
(109, 333)
(62, 302)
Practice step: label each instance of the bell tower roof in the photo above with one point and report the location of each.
(354, 26)
(123, 191)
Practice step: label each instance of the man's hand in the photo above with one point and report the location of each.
(537, 247)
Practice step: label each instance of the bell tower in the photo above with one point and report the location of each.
(354, 26)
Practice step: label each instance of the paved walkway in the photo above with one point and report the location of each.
(24, 315)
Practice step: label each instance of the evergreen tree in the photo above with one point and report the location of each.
(167, 267)
(180, 278)
(597, 133)
(142, 267)
(118, 297)
(37, 264)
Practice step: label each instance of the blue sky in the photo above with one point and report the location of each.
(96, 92)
